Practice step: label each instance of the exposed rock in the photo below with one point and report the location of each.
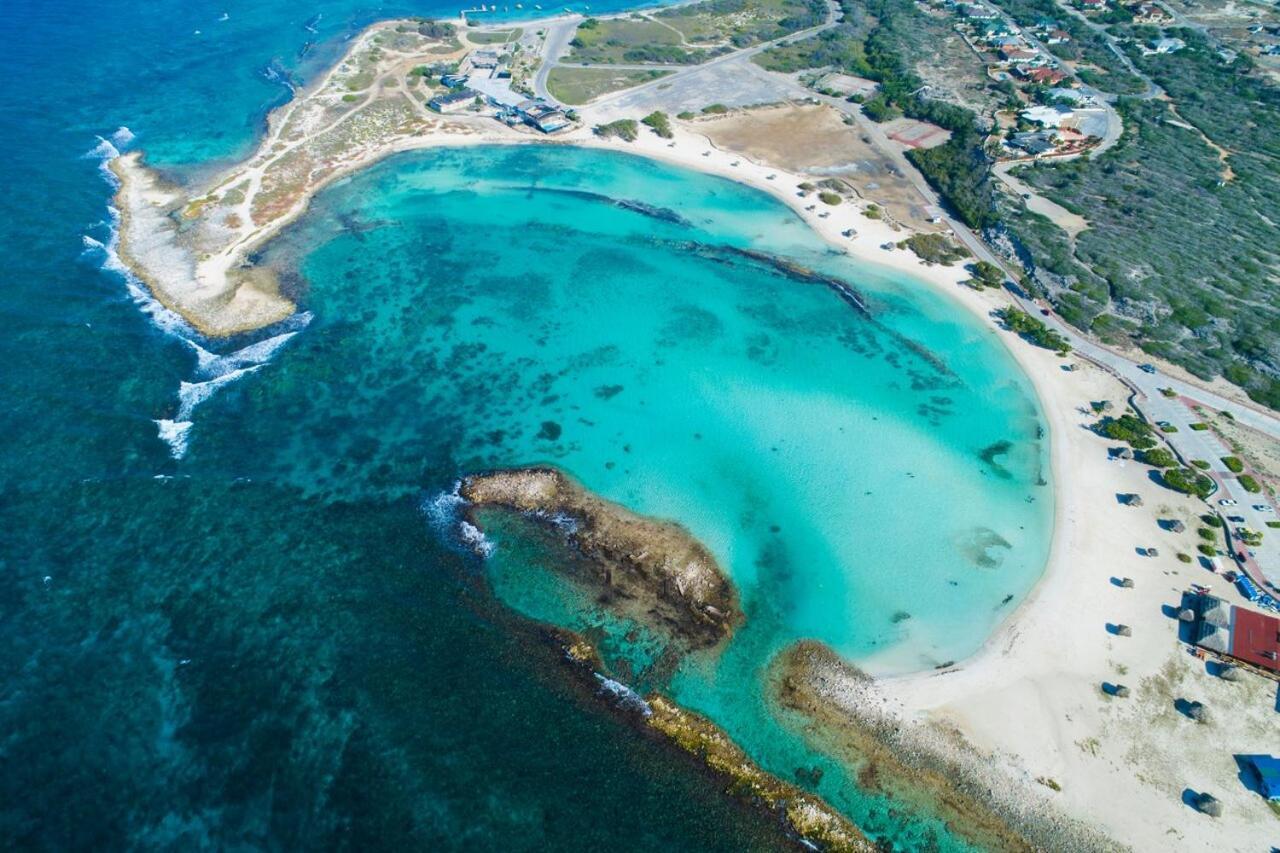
(927, 769)
(809, 816)
(655, 565)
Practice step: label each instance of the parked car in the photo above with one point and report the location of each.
(1236, 519)
(1263, 508)
(1228, 502)
(1147, 368)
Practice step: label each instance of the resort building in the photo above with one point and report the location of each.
(1246, 636)
(538, 113)
(453, 102)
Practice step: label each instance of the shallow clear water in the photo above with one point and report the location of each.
(268, 643)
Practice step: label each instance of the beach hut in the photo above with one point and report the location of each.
(1208, 804)
(1124, 452)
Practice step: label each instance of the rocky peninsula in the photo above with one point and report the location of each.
(656, 568)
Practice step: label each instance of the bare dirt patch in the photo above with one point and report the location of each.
(814, 140)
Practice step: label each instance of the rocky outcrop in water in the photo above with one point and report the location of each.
(655, 566)
(809, 816)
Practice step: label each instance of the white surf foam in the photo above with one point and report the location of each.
(444, 513)
(623, 695)
(192, 394)
(211, 365)
(174, 434)
(122, 137)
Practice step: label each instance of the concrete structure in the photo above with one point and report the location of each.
(538, 113)
(453, 102)
(1053, 116)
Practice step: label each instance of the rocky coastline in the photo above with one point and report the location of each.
(655, 567)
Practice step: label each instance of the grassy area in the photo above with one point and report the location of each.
(631, 40)
(495, 36)
(743, 22)
(576, 86)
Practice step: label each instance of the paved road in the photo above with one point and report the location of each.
(559, 33)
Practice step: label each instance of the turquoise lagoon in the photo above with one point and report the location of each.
(876, 481)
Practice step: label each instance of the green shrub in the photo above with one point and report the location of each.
(873, 212)
(685, 115)
(934, 249)
(626, 129)
(1199, 427)
(1211, 519)
(1233, 463)
(715, 109)
(1168, 428)
(1188, 482)
(659, 123)
(1274, 525)
(985, 274)
(1207, 549)
(1206, 534)
(1157, 457)
(1201, 464)
(1185, 558)
(830, 198)
(1168, 392)
(1248, 483)
(1127, 428)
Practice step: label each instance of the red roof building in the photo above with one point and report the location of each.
(1255, 638)
(1237, 632)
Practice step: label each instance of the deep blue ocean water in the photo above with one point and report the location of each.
(267, 644)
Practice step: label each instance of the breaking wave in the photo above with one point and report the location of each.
(174, 434)
(624, 696)
(444, 513)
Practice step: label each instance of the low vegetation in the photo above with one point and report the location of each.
(742, 23)
(1187, 481)
(828, 197)
(934, 249)
(1158, 457)
(1130, 429)
(626, 129)
(985, 274)
(576, 86)
(1180, 256)
(1233, 463)
(1249, 483)
(1031, 329)
(659, 124)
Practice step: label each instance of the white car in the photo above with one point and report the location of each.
(1228, 502)
(1263, 508)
